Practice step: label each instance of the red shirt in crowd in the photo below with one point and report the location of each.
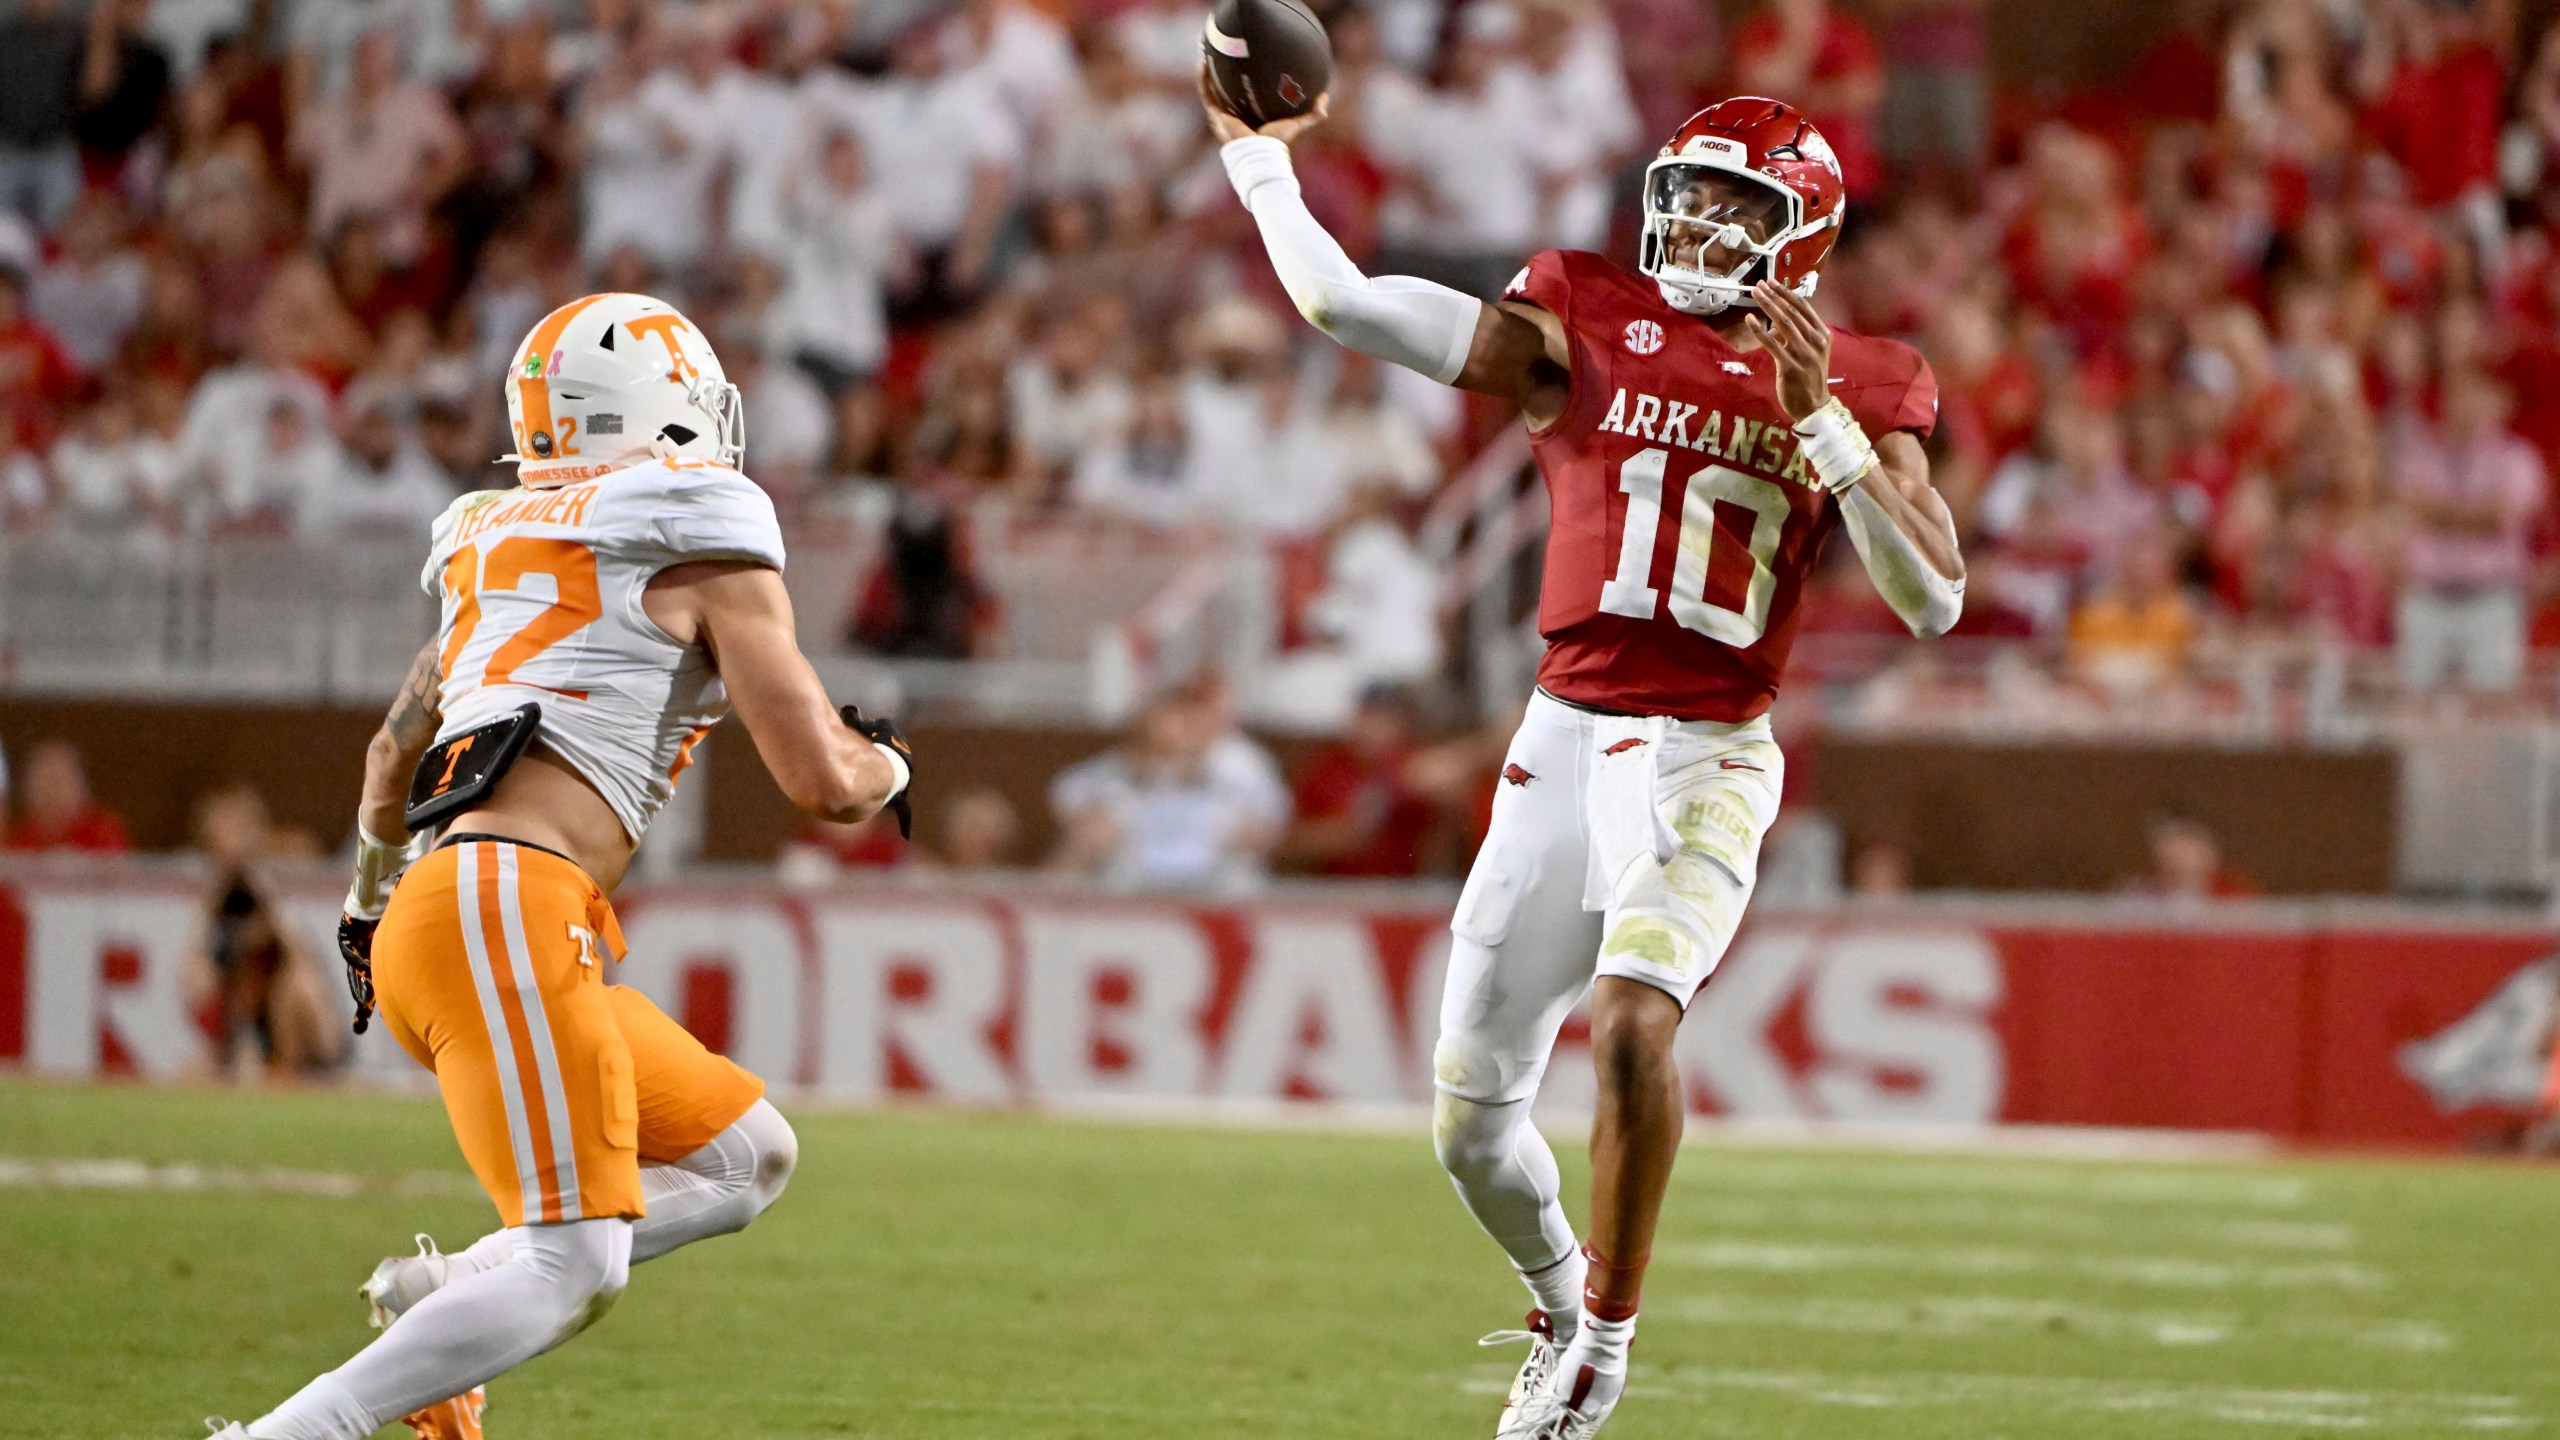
(36, 382)
(1845, 53)
(1344, 781)
(2439, 120)
(93, 829)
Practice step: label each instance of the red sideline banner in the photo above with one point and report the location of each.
(2359, 1026)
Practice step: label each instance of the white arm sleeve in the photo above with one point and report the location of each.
(1422, 326)
(1927, 601)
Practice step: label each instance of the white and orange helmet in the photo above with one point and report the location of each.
(613, 379)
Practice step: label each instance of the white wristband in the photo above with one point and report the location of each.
(1256, 161)
(1835, 445)
(899, 771)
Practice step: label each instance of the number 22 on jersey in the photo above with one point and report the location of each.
(500, 571)
(1630, 592)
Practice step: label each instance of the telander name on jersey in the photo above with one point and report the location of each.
(1694, 427)
(566, 505)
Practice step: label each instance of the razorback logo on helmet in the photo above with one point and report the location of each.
(1813, 147)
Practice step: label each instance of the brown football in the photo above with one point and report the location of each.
(1268, 59)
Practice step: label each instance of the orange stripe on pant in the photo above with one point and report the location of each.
(489, 972)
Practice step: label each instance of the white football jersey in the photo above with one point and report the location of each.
(541, 591)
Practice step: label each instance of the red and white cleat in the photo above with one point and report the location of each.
(1570, 1407)
(1534, 1371)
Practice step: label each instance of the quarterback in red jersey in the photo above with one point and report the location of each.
(1702, 432)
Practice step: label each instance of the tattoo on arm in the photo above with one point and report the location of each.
(419, 710)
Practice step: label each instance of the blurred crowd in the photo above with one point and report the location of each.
(2250, 339)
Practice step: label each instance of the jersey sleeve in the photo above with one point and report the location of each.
(1895, 389)
(714, 513)
(1546, 282)
(440, 538)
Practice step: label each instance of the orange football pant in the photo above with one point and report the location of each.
(489, 969)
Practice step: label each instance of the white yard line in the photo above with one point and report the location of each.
(19, 1172)
(2036, 1142)
(2177, 1272)
(2027, 1218)
(2396, 1411)
(1976, 1316)
(2230, 1190)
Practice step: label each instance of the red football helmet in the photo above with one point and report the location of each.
(1748, 178)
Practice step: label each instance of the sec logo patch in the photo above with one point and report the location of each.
(1643, 337)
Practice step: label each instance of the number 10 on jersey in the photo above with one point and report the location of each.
(1630, 593)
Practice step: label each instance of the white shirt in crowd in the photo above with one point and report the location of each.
(1180, 831)
(1474, 164)
(113, 486)
(764, 138)
(1162, 38)
(227, 422)
(788, 419)
(652, 155)
(841, 248)
(1278, 474)
(1095, 143)
(1380, 605)
(925, 140)
(402, 498)
(1026, 60)
(1593, 117)
(1059, 423)
(91, 308)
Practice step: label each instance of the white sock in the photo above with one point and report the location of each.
(1557, 1290)
(1602, 1344)
(561, 1279)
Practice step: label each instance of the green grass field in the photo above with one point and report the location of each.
(940, 1275)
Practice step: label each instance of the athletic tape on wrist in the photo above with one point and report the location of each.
(378, 863)
(1835, 445)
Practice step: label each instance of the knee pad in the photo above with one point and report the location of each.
(1471, 1136)
(775, 1148)
(1464, 1065)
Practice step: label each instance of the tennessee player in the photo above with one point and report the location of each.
(597, 620)
(1701, 432)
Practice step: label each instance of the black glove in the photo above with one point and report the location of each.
(355, 946)
(886, 732)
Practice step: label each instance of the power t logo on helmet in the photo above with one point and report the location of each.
(610, 379)
(1746, 191)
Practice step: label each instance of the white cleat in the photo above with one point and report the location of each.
(1534, 1371)
(218, 1428)
(401, 1281)
(1570, 1407)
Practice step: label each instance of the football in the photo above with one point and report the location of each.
(1268, 59)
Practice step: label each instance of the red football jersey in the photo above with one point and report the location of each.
(1684, 523)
